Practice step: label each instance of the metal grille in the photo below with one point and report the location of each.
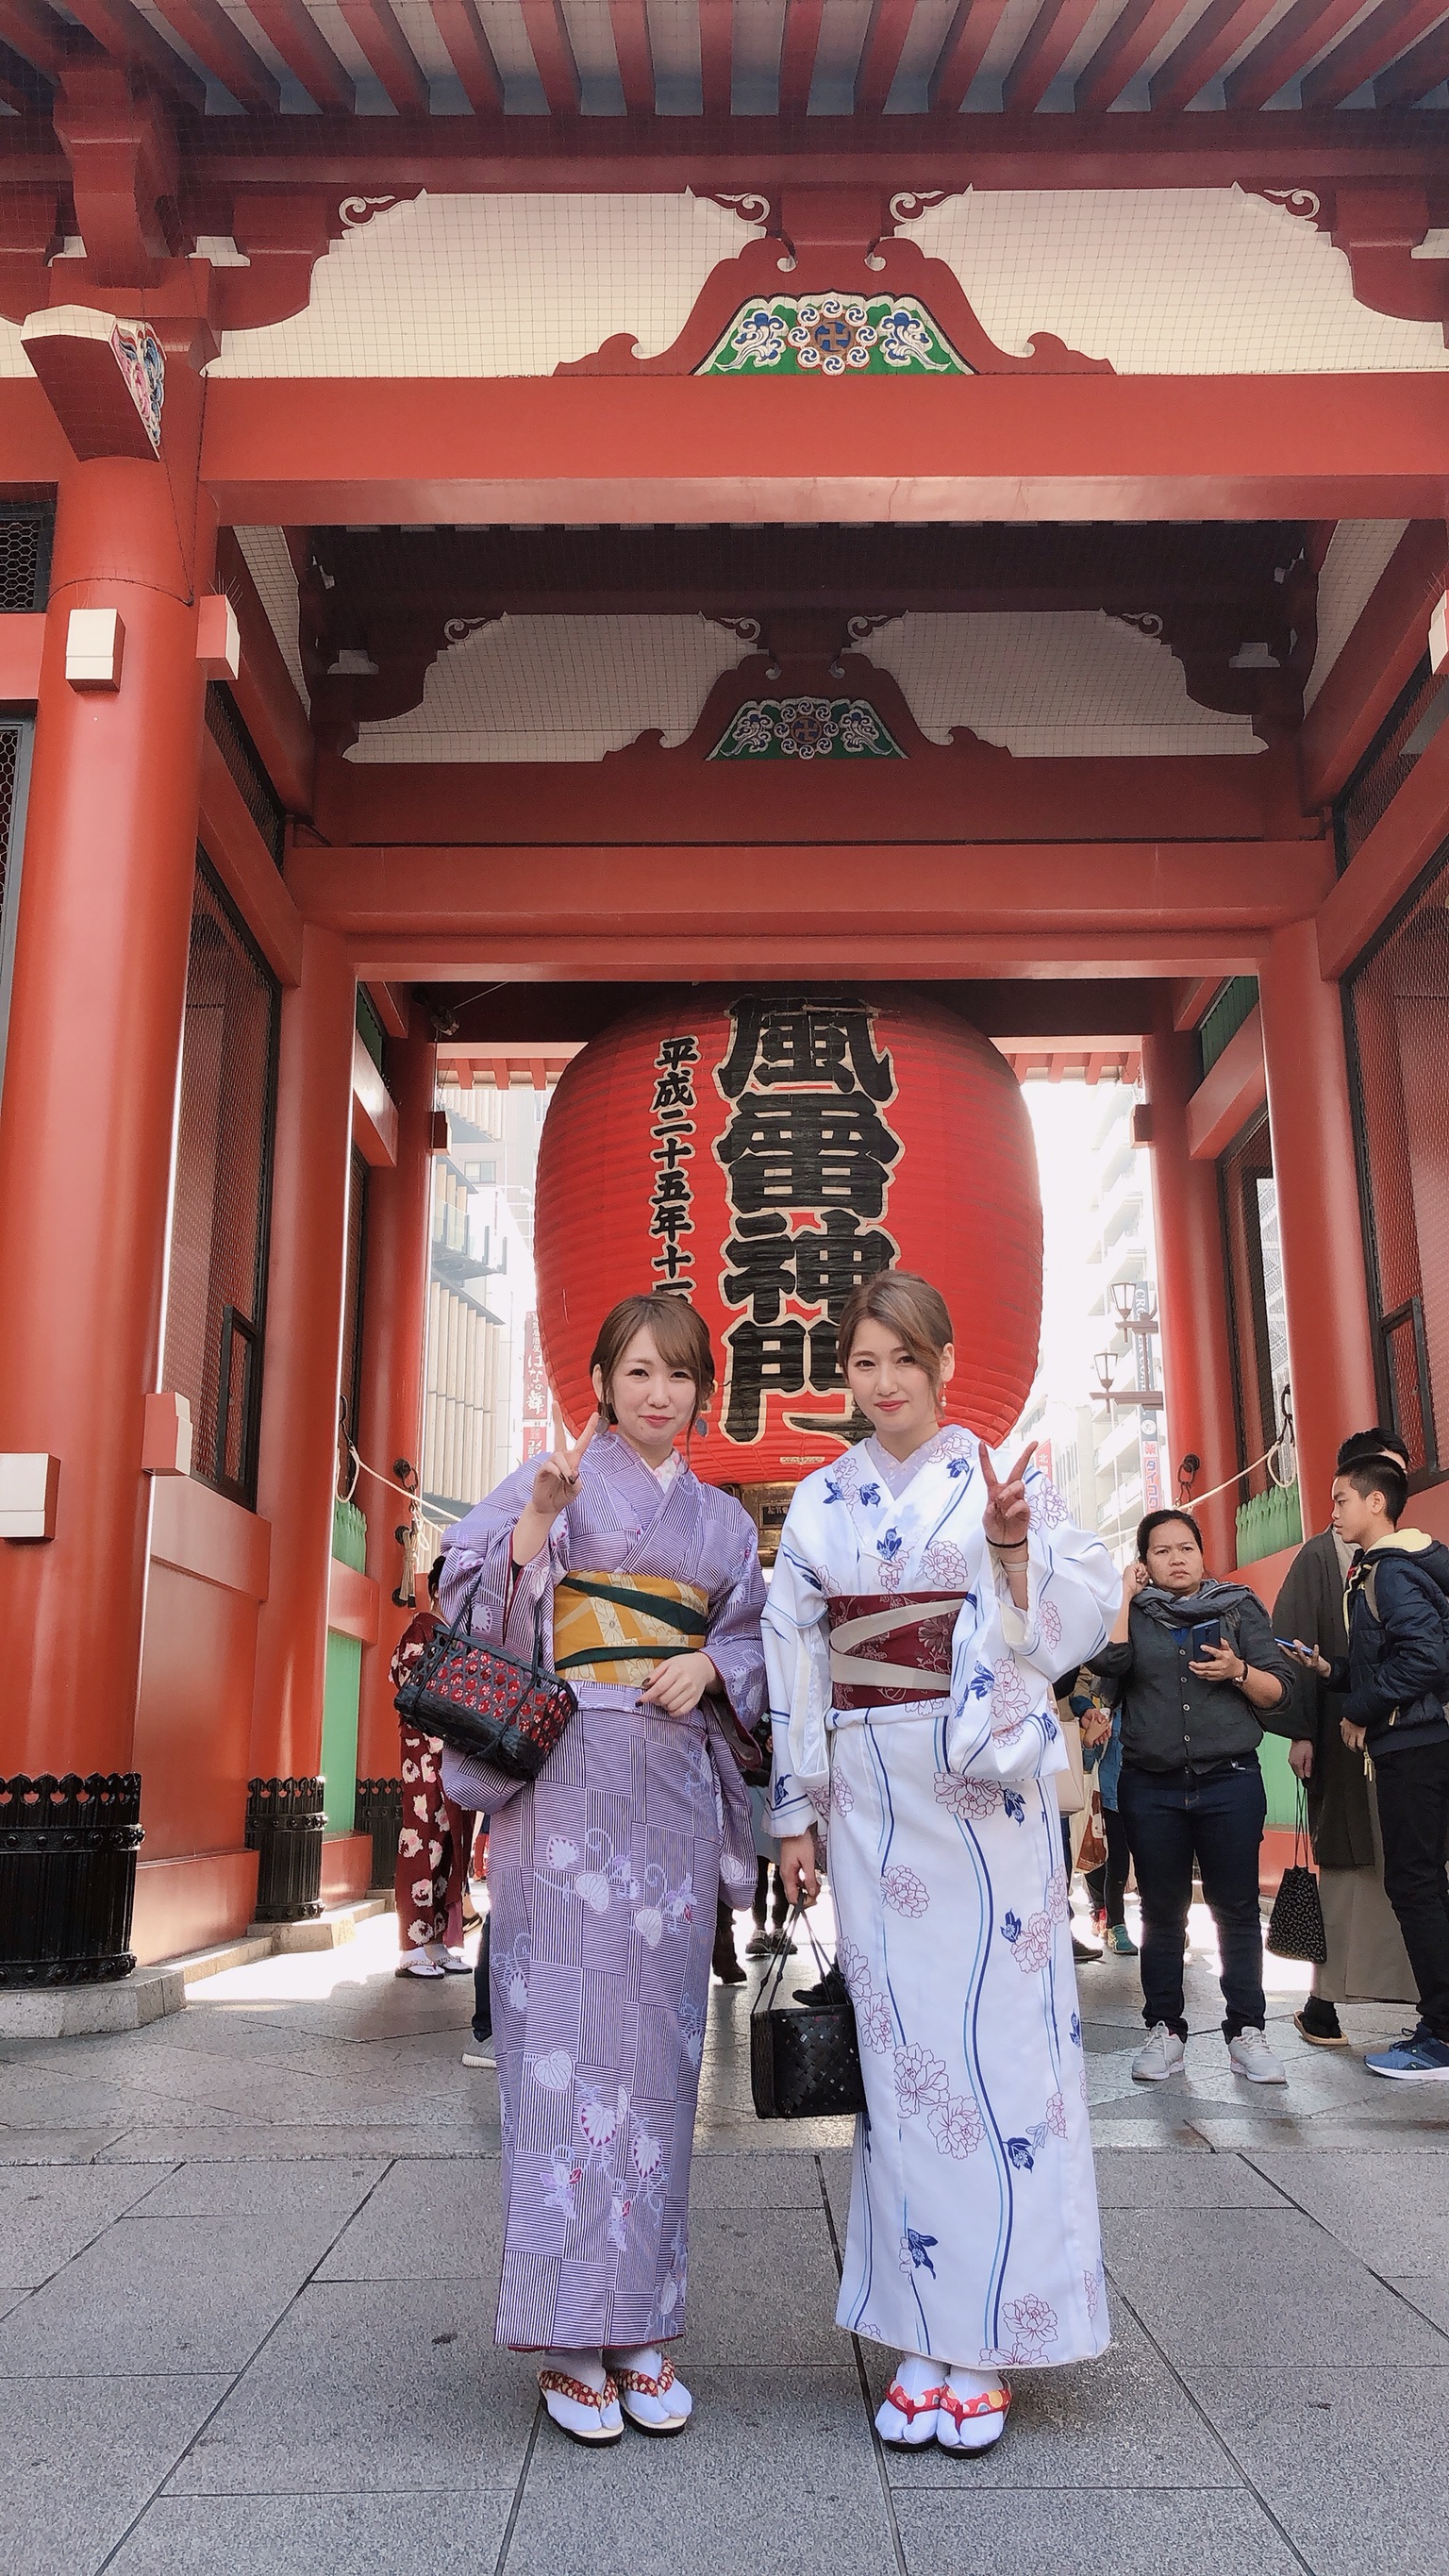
(356, 1277)
(1233, 1005)
(221, 1197)
(245, 764)
(1399, 1010)
(1412, 723)
(371, 1032)
(25, 532)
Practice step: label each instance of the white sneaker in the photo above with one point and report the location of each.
(1160, 2056)
(481, 2052)
(1251, 2056)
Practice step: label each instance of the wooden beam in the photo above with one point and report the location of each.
(548, 34)
(716, 57)
(963, 50)
(1368, 50)
(127, 37)
(375, 27)
(1229, 1093)
(550, 449)
(629, 20)
(246, 868)
(392, 1005)
(265, 693)
(223, 49)
(470, 54)
(374, 1112)
(1048, 41)
(886, 31)
(1376, 663)
(1212, 41)
(798, 48)
(1396, 852)
(1133, 35)
(34, 32)
(1415, 73)
(1301, 32)
(1193, 1001)
(292, 29)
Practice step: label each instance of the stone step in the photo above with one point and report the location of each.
(128, 2003)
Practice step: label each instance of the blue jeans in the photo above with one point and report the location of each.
(1172, 1818)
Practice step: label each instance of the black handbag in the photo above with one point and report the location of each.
(485, 1703)
(1295, 1927)
(805, 2059)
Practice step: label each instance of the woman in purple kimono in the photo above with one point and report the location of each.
(604, 1871)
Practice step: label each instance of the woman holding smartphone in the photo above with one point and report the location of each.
(1198, 1670)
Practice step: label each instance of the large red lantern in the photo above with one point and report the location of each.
(760, 1158)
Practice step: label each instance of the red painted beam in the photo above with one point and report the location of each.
(1049, 39)
(886, 31)
(1369, 50)
(129, 38)
(1376, 662)
(1213, 41)
(265, 693)
(716, 56)
(1229, 1093)
(34, 32)
(798, 48)
(216, 42)
(1300, 34)
(21, 639)
(393, 61)
(545, 449)
(470, 54)
(308, 56)
(1415, 73)
(374, 1111)
(963, 50)
(553, 52)
(1193, 1001)
(629, 20)
(1387, 863)
(245, 866)
(1133, 35)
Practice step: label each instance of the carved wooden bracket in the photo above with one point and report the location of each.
(1379, 227)
(805, 657)
(1240, 672)
(834, 241)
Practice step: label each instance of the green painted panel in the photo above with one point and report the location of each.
(1279, 1782)
(833, 335)
(349, 1535)
(339, 1731)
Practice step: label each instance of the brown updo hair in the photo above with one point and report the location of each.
(680, 1336)
(909, 1307)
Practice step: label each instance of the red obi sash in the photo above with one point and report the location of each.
(888, 1648)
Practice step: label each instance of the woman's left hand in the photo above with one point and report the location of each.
(1220, 1664)
(1007, 1516)
(680, 1684)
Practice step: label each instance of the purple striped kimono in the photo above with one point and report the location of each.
(603, 1876)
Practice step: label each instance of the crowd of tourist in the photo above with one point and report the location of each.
(959, 1701)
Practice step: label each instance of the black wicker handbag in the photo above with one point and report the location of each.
(805, 2059)
(1295, 1927)
(487, 1704)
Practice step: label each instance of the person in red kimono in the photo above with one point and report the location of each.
(435, 1835)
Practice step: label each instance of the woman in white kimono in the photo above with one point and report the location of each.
(918, 1612)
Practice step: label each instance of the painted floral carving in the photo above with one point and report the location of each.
(806, 729)
(833, 335)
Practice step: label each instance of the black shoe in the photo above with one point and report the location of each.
(831, 1993)
(1083, 1949)
(1319, 2024)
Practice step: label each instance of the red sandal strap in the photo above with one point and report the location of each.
(640, 2384)
(911, 2407)
(963, 2410)
(557, 2383)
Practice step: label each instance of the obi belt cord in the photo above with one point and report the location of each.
(891, 1646)
(620, 1629)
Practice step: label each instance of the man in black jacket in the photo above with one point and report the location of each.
(1396, 1676)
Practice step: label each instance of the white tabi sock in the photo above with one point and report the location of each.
(973, 2432)
(917, 2381)
(672, 2405)
(587, 2368)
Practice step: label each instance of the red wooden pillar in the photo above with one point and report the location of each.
(85, 1126)
(1192, 1293)
(390, 1413)
(297, 1459)
(1330, 1350)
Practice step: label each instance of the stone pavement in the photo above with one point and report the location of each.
(246, 2269)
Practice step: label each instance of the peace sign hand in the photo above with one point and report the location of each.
(1008, 1513)
(556, 1480)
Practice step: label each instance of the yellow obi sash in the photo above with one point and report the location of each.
(619, 1628)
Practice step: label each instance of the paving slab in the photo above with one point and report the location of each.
(1263, 2284)
(778, 2474)
(1127, 2180)
(763, 2181)
(57, 2146)
(427, 2221)
(165, 2294)
(47, 2215)
(371, 2387)
(348, 2535)
(242, 2141)
(1124, 2420)
(81, 2458)
(1132, 2533)
(1353, 2471)
(1392, 2210)
(762, 2288)
(279, 2188)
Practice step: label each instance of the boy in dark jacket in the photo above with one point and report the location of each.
(1396, 1676)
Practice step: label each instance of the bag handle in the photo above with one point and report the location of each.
(765, 2000)
(1301, 1834)
(462, 1626)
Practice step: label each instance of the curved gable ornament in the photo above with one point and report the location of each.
(831, 291)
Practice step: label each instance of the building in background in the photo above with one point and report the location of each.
(485, 1400)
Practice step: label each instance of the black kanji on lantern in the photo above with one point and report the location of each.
(671, 1197)
(796, 1042)
(805, 1140)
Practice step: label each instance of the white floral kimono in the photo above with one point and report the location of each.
(973, 2232)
